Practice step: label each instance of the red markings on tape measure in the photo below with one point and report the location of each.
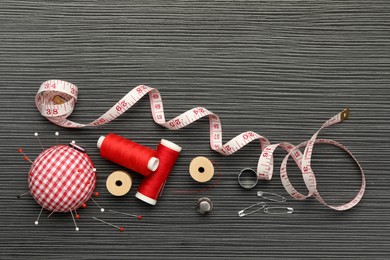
(57, 112)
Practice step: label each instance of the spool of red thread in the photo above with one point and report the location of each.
(128, 154)
(152, 186)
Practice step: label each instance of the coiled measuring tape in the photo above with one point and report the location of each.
(56, 100)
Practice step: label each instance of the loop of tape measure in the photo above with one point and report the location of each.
(56, 100)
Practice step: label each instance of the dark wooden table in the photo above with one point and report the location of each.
(279, 68)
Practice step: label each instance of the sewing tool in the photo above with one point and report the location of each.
(152, 186)
(128, 154)
(61, 179)
(39, 140)
(58, 113)
(247, 178)
(57, 134)
(94, 201)
(201, 169)
(278, 210)
(121, 229)
(272, 210)
(258, 206)
(271, 196)
(126, 214)
(119, 183)
(25, 157)
(23, 194)
(203, 189)
(267, 210)
(204, 206)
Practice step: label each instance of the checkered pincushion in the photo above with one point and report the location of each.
(62, 178)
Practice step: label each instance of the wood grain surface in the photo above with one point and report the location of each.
(279, 68)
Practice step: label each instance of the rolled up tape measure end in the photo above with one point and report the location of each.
(345, 114)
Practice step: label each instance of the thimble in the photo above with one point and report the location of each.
(204, 206)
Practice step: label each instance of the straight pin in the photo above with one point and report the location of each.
(121, 229)
(126, 214)
(278, 210)
(20, 150)
(57, 134)
(74, 221)
(37, 221)
(23, 194)
(39, 140)
(77, 215)
(101, 209)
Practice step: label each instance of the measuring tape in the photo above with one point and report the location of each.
(56, 100)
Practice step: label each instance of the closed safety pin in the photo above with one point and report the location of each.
(278, 210)
(242, 213)
(271, 196)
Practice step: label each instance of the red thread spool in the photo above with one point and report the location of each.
(128, 154)
(152, 186)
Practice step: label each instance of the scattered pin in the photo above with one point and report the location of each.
(74, 221)
(37, 221)
(23, 194)
(278, 210)
(126, 214)
(121, 229)
(271, 196)
(101, 209)
(84, 205)
(75, 146)
(39, 140)
(57, 134)
(20, 150)
(245, 212)
(275, 198)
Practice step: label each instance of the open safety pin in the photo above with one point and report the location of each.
(242, 213)
(271, 196)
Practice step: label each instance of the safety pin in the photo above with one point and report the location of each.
(243, 213)
(278, 210)
(271, 196)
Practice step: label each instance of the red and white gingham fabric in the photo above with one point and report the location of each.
(62, 178)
